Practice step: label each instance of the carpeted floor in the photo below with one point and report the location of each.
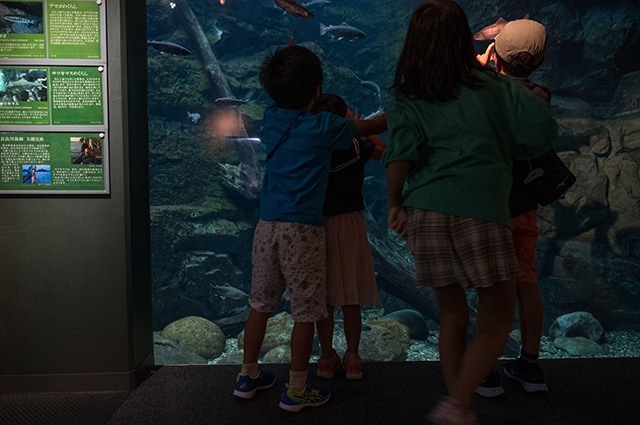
(583, 392)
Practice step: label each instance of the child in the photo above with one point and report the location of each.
(350, 276)
(289, 241)
(519, 50)
(454, 128)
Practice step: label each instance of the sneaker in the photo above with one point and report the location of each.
(449, 411)
(530, 375)
(491, 386)
(326, 368)
(312, 396)
(246, 386)
(352, 364)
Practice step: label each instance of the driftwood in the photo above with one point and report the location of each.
(246, 152)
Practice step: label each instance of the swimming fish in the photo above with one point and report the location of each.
(372, 85)
(375, 114)
(194, 116)
(342, 31)
(19, 20)
(228, 291)
(490, 32)
(293, 8)
(168, 47)
(230, 101)
(316, 3)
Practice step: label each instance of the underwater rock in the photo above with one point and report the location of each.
(196, 334)
(166, 352)
(278, 332)
(280, 354)
(578, 346)
(386, 341)
(413, 320)
(579, 323)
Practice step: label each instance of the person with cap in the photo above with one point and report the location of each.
(519, 50)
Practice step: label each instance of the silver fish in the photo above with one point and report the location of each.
(375, 114)
(372, 85)
(342, 31)
(316, 3)
(230, 101)
(19, 20)
(294, 9)
(169, 47)
(228, 291)
(490, 32)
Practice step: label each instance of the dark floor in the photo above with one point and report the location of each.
(582, 392)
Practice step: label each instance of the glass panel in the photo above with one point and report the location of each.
(206, 162)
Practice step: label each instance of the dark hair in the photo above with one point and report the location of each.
(332, 103)
(291, 76)
(520, 65)
(438, 54)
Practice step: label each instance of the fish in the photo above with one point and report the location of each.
(169, 47)
(19, 20)
(375, 114)
(230, 101)
(294, 9)
(372, 85)
(342, 31)
(23, 84)
(316, 3)
(194, 116)
(490, 32)
(228, 291)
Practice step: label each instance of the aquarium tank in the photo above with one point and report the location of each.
(206, 163)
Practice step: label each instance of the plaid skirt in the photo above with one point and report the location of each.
(450, 249)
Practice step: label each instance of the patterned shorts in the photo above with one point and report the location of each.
(450, 249)
(289, 256)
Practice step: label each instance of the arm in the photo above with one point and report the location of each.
(380, 146)
(396, 175)
(368, 127)
(487, 56)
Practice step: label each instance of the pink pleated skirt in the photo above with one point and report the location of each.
(350, 275)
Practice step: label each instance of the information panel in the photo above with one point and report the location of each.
(50, 29)
(53, 103)
(52, 161)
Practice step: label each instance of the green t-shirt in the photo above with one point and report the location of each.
(461, 150)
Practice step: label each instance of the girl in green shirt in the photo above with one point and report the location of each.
(455, 129)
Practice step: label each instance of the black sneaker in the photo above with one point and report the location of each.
(491, 386)
(530, 375)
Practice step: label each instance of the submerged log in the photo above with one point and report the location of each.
(246, 152)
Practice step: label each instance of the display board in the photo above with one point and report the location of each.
(53, 97)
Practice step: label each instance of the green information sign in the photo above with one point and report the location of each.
(74, 29)
(51, 95)
(76, 96)
(51, 162)
(56, 29)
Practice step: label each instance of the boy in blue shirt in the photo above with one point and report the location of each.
(289, 241)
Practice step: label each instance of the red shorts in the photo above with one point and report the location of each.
(525, 240)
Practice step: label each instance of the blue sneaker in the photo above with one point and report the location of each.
(246, 386)
(313, 396)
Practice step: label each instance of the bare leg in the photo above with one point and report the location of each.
(325, 333)
(301, 345)
(454, 318)
(254, 331)
(352, 327)
(470, 364)
(531, 316)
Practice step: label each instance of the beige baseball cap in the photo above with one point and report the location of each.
(523, 35)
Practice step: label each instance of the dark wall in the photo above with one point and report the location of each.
(75, 308)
